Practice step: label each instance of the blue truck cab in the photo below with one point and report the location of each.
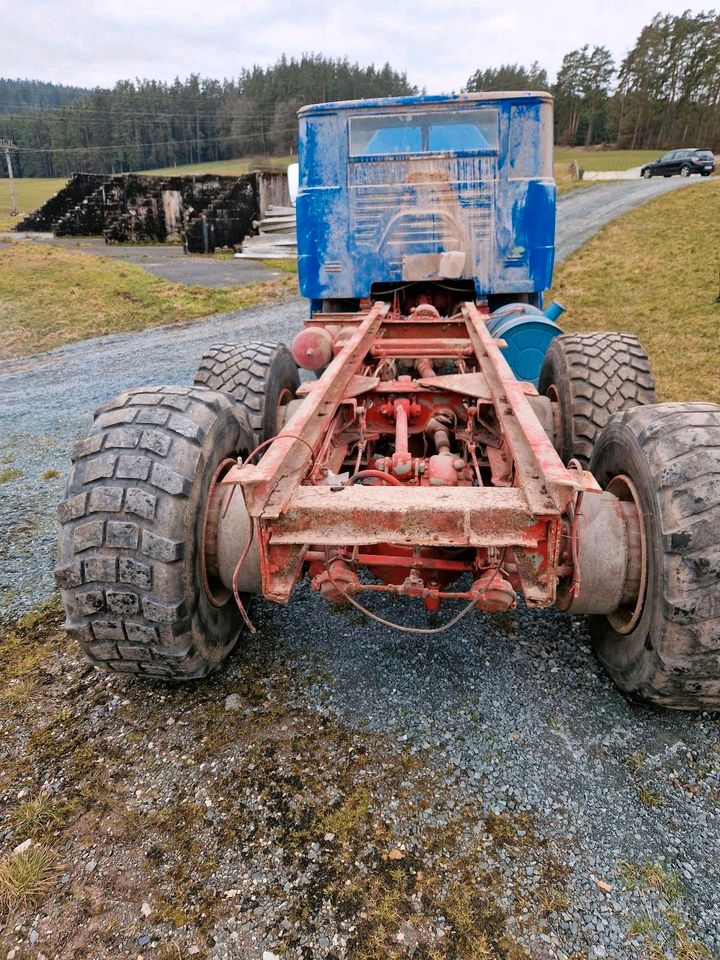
(409, 191)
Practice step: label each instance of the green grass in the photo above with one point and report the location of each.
(565, 180)
(31, 194)
(285, 265)
(653, 272)
(650, 876)
(594, 159)
(50, 296)
(226, 167)
(38, 815)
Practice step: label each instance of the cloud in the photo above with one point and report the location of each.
(438, 45)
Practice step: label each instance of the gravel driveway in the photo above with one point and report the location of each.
(511, 716)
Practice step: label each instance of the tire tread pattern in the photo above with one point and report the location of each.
(606, 372)
(244, 371)
(681, 444)
(124, 522)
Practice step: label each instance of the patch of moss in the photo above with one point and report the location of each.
(10, 473)
(181, 849)
(28, 642)
(649, 797)
(344, 820)
(511, 830)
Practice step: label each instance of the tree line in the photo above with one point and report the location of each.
(148, 124)
(664, 93)
(17, 96)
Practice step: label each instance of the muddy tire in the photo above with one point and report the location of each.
(131, 531)
(591, 376)
(671, 453)
(262, 376)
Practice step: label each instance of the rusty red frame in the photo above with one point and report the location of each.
(292, 515)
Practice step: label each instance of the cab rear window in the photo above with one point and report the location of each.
(439, 131)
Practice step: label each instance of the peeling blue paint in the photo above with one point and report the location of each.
(486, 215)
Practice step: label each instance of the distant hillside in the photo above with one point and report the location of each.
(20, 96)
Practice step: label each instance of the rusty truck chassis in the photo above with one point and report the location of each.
(347, 484)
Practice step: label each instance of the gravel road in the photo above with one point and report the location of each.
(510, 717)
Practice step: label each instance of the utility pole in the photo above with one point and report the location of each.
(7, 146)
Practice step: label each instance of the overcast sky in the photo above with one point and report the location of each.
(438, 44)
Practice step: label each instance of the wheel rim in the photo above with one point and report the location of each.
(685, 172)
(624, 619)
(215, 590)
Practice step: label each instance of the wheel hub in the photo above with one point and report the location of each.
(227, 528)
(624, 619)
(217, 593)
(608, 556)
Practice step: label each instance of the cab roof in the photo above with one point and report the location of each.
(424, 99)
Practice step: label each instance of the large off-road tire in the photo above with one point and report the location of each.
(671, 454)
(261, 375)
(132, 527)
(590, 376)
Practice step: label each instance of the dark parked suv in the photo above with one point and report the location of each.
(683, 162)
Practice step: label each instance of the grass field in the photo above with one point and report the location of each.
(594, 160)
(605, 159)
(50, 296)
(654, 272)
(31, 194)
(225, 167)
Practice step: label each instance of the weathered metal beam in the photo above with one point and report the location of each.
(426, 516)
(540, 473)
(269, 485)
(436, 347)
